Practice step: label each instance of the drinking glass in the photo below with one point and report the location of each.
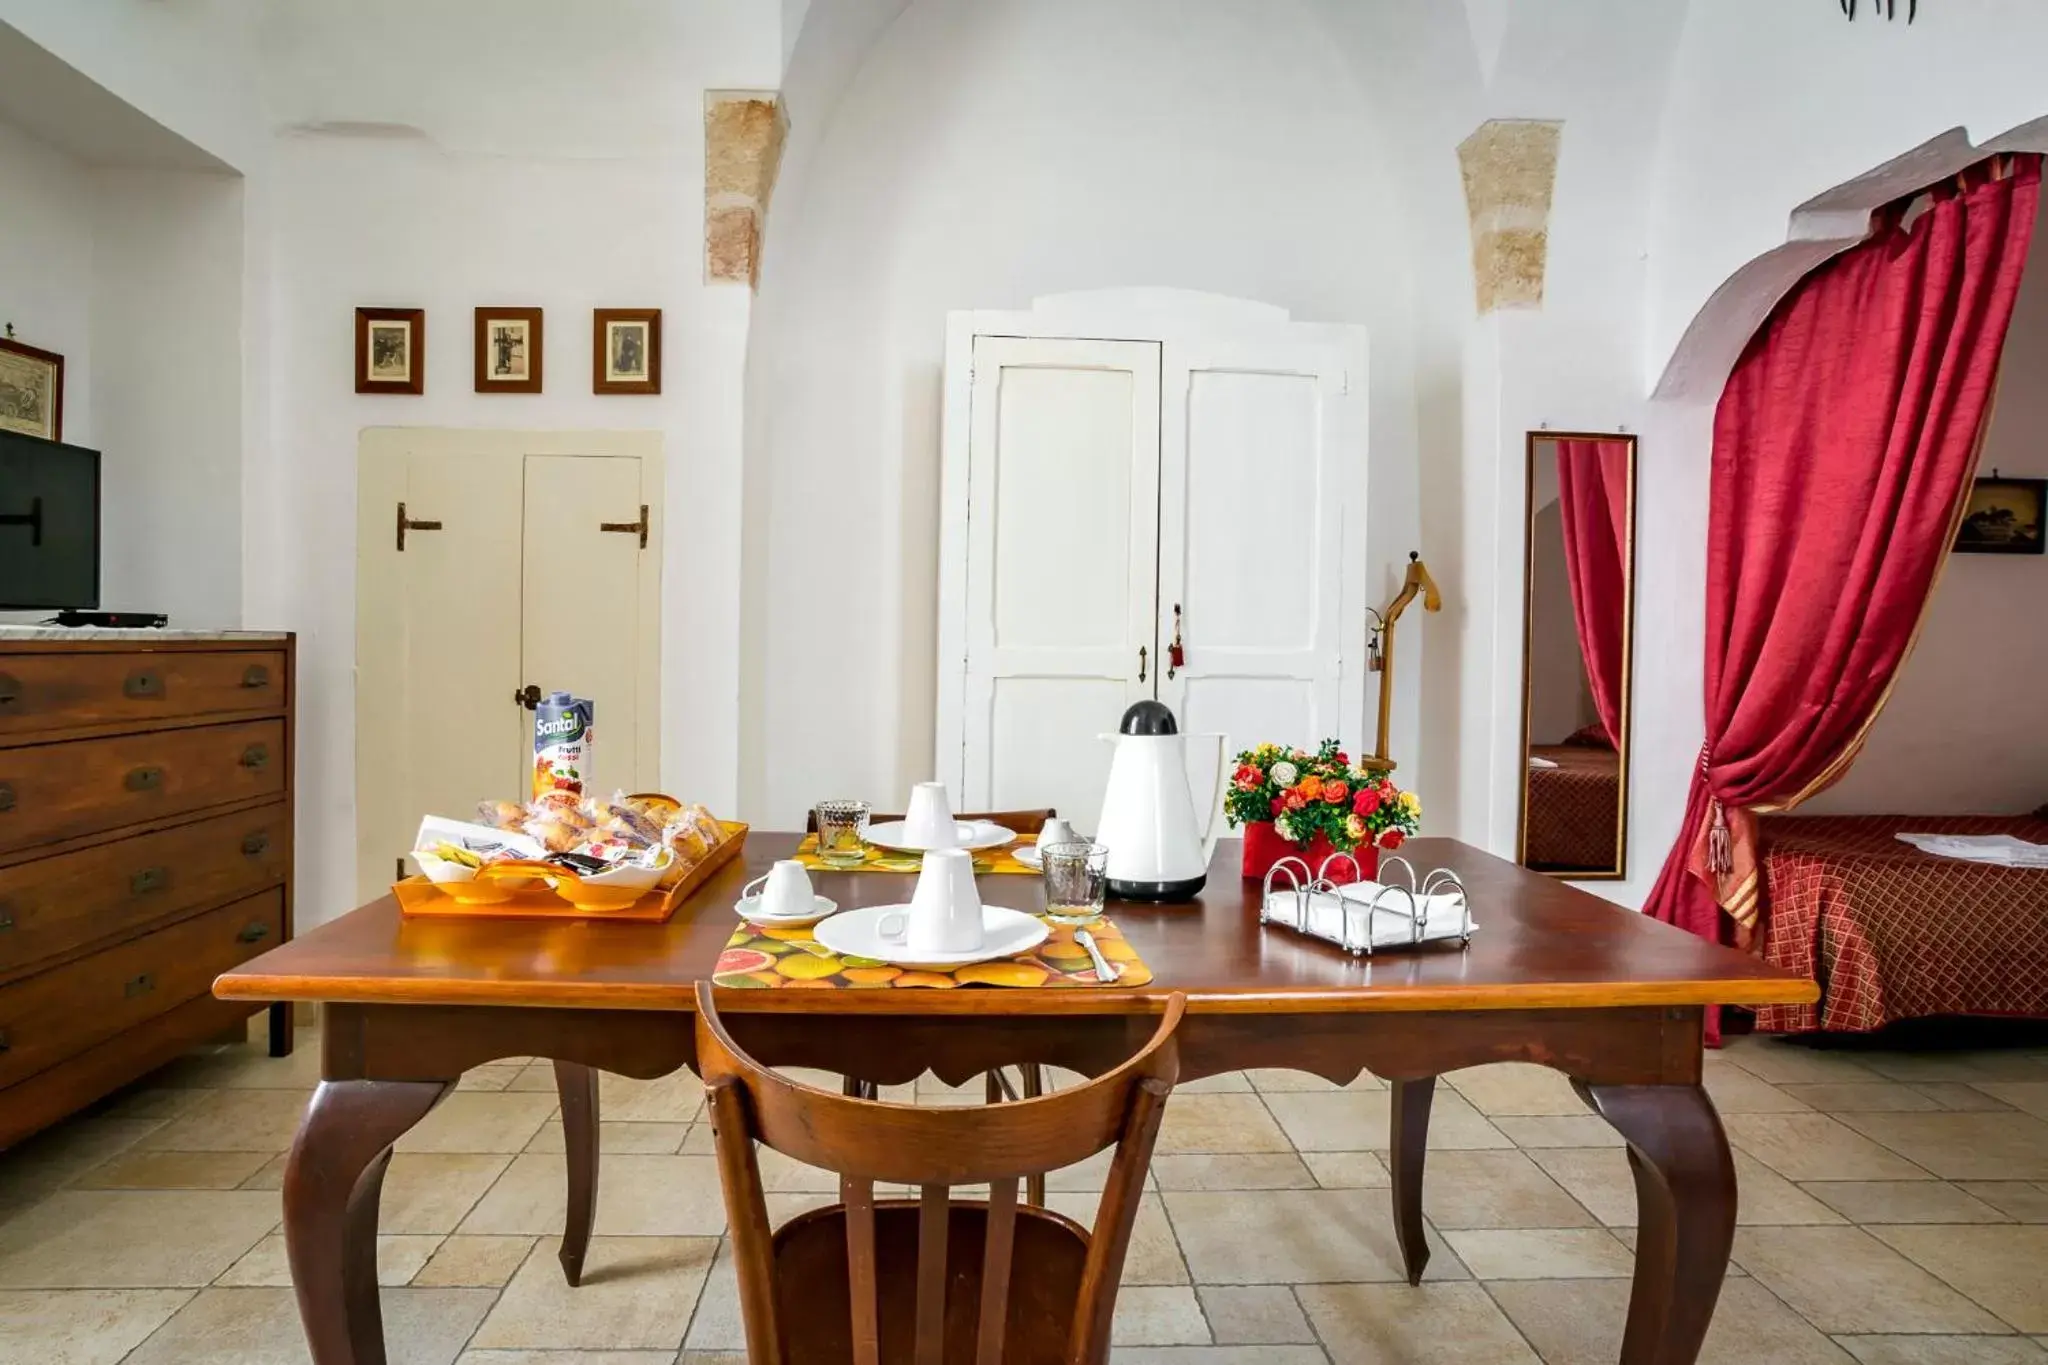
(1076, 878)
(842, 832)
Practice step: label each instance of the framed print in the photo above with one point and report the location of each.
(31, 390)
(2003, 518)
(625, 350)
(391, 350)
(508, 350)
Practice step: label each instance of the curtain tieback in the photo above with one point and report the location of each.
(1720, 843)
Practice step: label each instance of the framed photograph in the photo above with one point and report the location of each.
(31, 390)
(508, 350)
(625, 350)
(2003, 518)
(391, 350)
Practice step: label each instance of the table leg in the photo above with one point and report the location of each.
(331, 1187)
(577, 1086)
(1685, 1201)
(1406, 1146)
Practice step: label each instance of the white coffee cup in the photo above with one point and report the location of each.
(945, 909)
(1057, 831)
(928, 821)
(785, 890)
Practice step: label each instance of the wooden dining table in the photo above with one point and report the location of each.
(1552, 975)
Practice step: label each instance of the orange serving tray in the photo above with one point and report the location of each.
(419, 897)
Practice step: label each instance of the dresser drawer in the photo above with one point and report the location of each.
(53, 905)
(56, 791)
(56, 1014)
(62, 691)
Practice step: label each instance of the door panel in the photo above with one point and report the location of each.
(1062, 542)
(581, 614)
(1251, 545)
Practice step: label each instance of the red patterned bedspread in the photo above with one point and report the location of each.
(1573, 808)
(1893, 933)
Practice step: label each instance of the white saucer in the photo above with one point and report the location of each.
(749, 906)
(1005, 933)
(1026, 854)
(968, 834)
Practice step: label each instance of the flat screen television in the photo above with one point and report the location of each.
(49, 524)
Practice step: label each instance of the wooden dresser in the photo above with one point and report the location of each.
(145, 847)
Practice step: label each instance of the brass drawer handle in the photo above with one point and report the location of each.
(254, 844)
(5, 1041)
(6, 919)
(144, 779)
(6, 796)
(254, 933)
(148, 880)
(255, 756)
(10, 695)
(141, 985)
(255, 675)
(144, 684)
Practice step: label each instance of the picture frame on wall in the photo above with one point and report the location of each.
(391, 350)
(625, 350)
(2004, 517)
(509, 351)
(31, 390)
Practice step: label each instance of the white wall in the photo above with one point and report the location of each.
(1963, 732)
(985, 154)
(46, 222)
(586, 190)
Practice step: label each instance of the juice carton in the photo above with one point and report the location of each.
(561, 747)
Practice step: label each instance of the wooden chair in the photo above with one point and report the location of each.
(930, 1280)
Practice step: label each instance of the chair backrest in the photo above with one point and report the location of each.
(934, 1148)
(1020, 821)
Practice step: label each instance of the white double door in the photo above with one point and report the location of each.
(522, 562)
(1122, 496)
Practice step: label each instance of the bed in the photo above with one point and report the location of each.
(1893, 933)
(1574, 807)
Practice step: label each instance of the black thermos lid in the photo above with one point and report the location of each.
(1148, 718)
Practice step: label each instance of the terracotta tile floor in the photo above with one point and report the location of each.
(1894, 1212)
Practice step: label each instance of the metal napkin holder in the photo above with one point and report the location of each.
(1307, 892)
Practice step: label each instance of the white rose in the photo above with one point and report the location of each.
(1284, 827)
(1285, 773)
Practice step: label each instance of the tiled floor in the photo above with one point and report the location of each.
(1894, 1212)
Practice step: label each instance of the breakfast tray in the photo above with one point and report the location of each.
(1373, 915)
(420, 898)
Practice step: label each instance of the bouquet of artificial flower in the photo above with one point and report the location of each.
(1317, 799)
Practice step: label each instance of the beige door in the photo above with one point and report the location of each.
(506, 577)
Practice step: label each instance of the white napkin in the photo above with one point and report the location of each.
(1536, 762)
(2001, 849)
(1443, 916)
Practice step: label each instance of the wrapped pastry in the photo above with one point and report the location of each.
(555, 832)
(705, 823)
(501, 814)
(657, 808)
(688, 844)
(619, 818)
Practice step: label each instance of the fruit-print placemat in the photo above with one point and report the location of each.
(787, 959)
(998, 860)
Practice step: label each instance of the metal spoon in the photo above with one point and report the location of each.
(1103, 971)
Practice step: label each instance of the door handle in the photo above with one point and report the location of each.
(1141, 663)
(254, 932)
(404, 525)
(145, 779)
(1176, 657)
(143, 684)
(527, 696)
(148, 880)
(629, 528)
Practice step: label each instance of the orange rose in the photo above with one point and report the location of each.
(1311, 787)
(1334, 792)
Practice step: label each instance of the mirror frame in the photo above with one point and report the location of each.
(1628, 651)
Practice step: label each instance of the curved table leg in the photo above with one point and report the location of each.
(577, 1086)
(1685, 1199)
(1406, 1147)
(331, 1187)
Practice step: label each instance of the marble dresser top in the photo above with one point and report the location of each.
(144, 636)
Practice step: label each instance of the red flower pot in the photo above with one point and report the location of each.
(1264, 847)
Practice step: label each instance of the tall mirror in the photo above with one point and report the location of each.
(1577, 613)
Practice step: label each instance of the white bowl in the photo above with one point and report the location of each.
(631, 876)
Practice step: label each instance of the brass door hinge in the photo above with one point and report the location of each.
(405, 525)
(629, 528)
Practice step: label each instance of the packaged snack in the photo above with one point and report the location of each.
(656, 807)
(561, 747)
(555, 832)
(501, 814)
(622, 819)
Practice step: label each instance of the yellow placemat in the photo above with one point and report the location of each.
(882, 860)
(778, 959)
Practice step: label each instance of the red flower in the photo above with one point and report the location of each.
(1295, 799)
(1367, 801)
(1279, 804)
(1249, 778)
(1342, 759)
(1392, 839)
(1335, 792)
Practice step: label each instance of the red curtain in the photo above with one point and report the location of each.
(1844, 446)
(1592, 482)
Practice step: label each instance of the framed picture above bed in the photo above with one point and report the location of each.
(2003, 517)
(1577, 625)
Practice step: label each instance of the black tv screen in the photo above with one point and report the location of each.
(49, 524)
